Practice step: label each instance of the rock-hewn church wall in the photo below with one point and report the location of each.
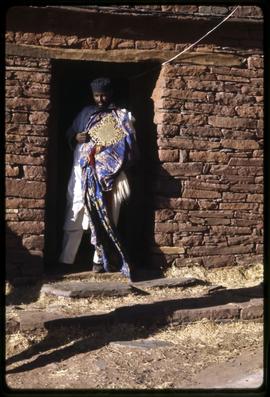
(210, 137)
(27, 116)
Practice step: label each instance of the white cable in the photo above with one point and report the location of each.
(200, 39)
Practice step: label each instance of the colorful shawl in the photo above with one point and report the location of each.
(99, 172)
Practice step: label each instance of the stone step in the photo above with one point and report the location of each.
(240, 304)
(83, 289)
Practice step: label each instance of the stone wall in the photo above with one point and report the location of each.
(115, 27)
(27, 117)
(178, 10)
(210, 138)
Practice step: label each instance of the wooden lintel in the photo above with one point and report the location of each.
(201, 58)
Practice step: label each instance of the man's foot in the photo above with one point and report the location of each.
(97, 268)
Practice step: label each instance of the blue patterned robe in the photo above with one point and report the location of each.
(99, 177)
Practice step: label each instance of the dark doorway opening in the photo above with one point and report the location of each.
(70, 93)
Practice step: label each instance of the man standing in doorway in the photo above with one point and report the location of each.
(104, 143)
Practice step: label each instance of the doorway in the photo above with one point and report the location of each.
(70, 92)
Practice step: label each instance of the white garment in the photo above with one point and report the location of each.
(77, 218)
(74, 225)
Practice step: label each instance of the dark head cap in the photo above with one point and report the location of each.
(102, 84)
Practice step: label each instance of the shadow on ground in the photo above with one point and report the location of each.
(84, 331)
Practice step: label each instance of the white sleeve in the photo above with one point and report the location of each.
(131, 119)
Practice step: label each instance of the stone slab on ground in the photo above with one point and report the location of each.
(84, 289)
(39, 320)
(141, 344)
(170, 283)
(252, 309)
(175, 312)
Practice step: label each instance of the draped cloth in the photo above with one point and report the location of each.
(99, 172)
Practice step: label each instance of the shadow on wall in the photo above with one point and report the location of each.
(22, 268)
(157, 184)
(148, 180)
(24, 272)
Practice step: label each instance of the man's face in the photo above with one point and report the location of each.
(102, 99)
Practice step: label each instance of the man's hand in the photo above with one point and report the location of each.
(82, 137)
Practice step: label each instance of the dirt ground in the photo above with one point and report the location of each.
(97, 360)
(203, 354)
